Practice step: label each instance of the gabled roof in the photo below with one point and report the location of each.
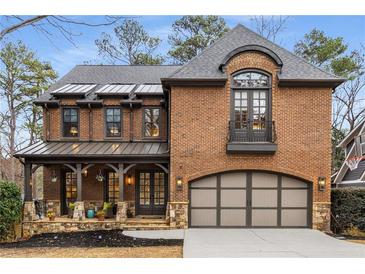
(357, 130)
(207, 64)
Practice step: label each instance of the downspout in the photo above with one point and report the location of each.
(90, 122)
(47, 122)
(131, 122)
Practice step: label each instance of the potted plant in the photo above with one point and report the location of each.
(108, 210)
(99, 178)
(70, 210)
(51, 215)
(100, 215)
(90, 213)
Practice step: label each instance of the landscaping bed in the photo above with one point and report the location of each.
(102, 238)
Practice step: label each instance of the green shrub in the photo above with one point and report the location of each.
(348, 209)
(10, 207)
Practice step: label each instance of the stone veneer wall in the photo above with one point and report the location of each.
(34, 228)
(177, 214)
(322, 216)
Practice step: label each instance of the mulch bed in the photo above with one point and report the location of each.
(102, 238)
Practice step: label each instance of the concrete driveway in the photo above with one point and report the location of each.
(208, 243)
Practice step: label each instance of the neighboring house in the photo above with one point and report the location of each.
(354, 146)
(237, 137)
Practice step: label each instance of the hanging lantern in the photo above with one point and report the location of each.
(100, 177)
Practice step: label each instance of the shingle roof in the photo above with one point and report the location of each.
(206, 65)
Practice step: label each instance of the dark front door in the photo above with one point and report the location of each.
(68, 190)
(151, 193)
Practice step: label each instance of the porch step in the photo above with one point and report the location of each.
(145, 222)
(146, 227)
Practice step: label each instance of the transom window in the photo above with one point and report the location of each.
(251, 80)
(113, 122)
(113, 187)
(70, 122)
(250, 106)
(151, 120)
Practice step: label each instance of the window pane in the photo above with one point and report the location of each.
(250, 80)
(70, 122)
(151, 122)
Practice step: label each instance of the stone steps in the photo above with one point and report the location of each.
(146, 227)
(144, 222)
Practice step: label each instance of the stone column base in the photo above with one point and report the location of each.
(122, 208)
(29, 214)
(79, 211)
(321, 216)
(178, 214)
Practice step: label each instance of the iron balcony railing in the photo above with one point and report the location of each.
(252, 131)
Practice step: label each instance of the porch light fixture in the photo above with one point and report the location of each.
(321, 183)
(85, 173)
(129, 180)
(73, 131)
(179, 185)
(54, 177)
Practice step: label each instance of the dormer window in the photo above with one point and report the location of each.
(70, 122)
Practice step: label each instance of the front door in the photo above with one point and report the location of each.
(68, 190)
(151, 193)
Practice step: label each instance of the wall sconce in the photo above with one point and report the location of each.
(179, 185)
(54, 177)
(321, 183)
(129, 180)
(85, 173)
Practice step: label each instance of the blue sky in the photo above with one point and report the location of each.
(63, 55)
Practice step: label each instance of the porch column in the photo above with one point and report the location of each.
(79, 182)
(121, 182)
(27, 183)
(29, 213)
(122, 206)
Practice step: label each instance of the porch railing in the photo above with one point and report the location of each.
(252, 131)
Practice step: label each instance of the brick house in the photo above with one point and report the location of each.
(240, 136)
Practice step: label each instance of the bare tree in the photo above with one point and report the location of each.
(270, 26)
(47, 24)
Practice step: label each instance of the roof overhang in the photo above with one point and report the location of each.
(90, 103)
(328, 83)
(194, 82)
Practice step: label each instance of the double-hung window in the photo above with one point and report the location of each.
(70, 122)
(151, 122)
(113, 122)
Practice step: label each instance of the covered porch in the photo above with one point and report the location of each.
(127, 181)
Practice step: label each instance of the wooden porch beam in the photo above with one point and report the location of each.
(128, 168)
(87, 167)
(71, 167)
(163, 168)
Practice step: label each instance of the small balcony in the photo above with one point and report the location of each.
(254, 137)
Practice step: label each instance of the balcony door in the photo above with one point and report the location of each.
(250, 112)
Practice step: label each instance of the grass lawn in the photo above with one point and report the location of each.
(93, 252)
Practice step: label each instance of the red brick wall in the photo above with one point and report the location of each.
(98, 126)
(199, 128)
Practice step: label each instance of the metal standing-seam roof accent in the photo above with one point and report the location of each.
(93, 149)
(115, 89)
(149, 89)
(70, 89)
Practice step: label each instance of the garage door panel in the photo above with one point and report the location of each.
(233, 198)
(203, 198)
(233, 180)
(264, 198)
(294, 217)
(203, 217)
(264, 180)
(264, 217)
(206, 182)
(233, 217)
(294, 198)
(292, 183)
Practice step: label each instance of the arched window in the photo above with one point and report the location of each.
(250, 95)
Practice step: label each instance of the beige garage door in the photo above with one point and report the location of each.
(249, 199)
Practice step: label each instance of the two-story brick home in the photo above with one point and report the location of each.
(240, 136)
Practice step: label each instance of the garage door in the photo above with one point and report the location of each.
(249, 199)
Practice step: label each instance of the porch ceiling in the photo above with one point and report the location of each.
(89, 150)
